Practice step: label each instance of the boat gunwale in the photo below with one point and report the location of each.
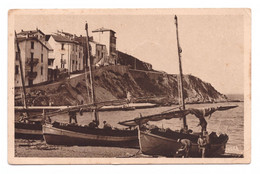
(172, 140)
(84, 134)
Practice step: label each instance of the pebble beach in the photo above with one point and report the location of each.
(40, 149)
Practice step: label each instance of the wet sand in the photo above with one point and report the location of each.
(38, 148)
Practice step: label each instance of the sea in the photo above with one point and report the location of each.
(230, 122)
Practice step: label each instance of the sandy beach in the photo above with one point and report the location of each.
(33, 148)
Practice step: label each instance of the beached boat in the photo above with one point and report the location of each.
(74, 134)
(165, 142)
(31, 130)
(71, 134)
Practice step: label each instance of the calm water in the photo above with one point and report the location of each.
(230, 122)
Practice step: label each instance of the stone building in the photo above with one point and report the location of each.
(67, 53)
(107, 37)
(99, 54)
(34, 57)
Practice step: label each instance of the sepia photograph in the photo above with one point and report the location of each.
(129, 86)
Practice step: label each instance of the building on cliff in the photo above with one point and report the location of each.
(98, 51)
(107, 37)
(34, 56)
(67, 52)
(99, 54)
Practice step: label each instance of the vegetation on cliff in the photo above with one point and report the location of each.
(113, 82)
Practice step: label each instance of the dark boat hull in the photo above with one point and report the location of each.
(28, 131)
(151, 144)
(94, 137)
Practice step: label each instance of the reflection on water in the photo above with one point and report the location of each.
(230, 122)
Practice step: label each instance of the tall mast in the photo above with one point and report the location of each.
(91, 77)
(181, 75)
(21, 70)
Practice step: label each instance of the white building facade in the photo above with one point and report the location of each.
(34, 58)
(107, 37)
(67, 53)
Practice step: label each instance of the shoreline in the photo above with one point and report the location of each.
(116, 108)
(39, 149)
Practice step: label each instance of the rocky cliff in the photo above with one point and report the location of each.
(132, 62)
(113, 82)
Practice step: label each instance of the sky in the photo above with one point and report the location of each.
(212, 45)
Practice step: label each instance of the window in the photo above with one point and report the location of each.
(72, 61)
(76, 62)
(32, 55)
(102, 55)
(32, 45)
(42, 47)
(62, 46)
(49, 62)
(41, 70)
(41, 57)
(16, 69)
(72, 47)
(16, 56)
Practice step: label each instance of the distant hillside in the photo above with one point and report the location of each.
(113, 82)
(235, 97)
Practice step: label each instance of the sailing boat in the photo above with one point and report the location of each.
(73, 134)
(26, 127)
(164, 142)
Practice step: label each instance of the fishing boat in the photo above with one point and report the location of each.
(70, 134)
(74, 134)
(32, 130)
(166, 142)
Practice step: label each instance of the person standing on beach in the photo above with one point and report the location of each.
(202, 145)
(128, 97)
(185, 147)
(73, 116)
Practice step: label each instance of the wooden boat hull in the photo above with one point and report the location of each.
(28, 131)
(58, 136)
(151, 144)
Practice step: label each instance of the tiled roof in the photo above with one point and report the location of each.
(60, 38)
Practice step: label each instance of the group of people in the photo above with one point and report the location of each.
(92, 124)
(203, 145)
